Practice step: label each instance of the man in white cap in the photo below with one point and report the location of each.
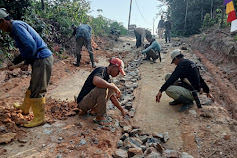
(97, 90)
(34, 51)
(182, 82)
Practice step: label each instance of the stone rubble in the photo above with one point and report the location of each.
(134, 142)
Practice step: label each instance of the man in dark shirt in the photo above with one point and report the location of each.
(83, 38)
(177, 85)
(97, 90)
(167, 29)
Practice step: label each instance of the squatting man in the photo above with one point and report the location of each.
(181, 84)
(97, 90)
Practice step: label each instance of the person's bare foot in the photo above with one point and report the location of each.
(93, 111)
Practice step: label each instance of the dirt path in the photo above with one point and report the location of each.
(151, 116)
(208, 132)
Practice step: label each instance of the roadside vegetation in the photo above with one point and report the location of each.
(53, 19)
(190, 17)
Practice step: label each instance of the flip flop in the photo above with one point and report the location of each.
(100, 121)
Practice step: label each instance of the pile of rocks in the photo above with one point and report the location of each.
(134, 142)
(9, 119)
(61, 109)
(137, 144)
(127, 85)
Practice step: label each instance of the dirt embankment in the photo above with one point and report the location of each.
(218, 51)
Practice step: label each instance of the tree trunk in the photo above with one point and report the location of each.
(202, 12)
(222, 17)
(42, 4)
(211, 9)
(186, 14)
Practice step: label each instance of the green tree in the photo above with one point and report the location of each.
(16, 8)
(187, 15)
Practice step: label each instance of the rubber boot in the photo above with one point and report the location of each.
(175, 102)
(78, 60)
(92, 61)
(38, 107)
(25, 106)
(186, 103)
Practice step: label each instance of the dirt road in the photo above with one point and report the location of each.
(208, 132)
(151, 116)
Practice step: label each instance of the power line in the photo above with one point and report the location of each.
(141, 13)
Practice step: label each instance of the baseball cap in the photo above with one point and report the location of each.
(174, 54)
(118, 62)
(3, 13)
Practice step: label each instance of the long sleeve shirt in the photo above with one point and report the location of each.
(186, 69)
(142, 32)
(153, 45)
(83, 30)
(30, 44)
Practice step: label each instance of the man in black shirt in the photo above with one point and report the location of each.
(180, 84)
(167, 29)
(97, 90)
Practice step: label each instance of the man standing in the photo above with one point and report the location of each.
(140, 34)
(183, 82)
(152, 50)
(83, 38)
(161, 27)
(34, 51)
(167, 29)
(97, 90)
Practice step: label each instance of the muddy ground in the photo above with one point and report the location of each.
(207, 132)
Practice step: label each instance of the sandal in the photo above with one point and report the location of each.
(92, 114)
(100, 122)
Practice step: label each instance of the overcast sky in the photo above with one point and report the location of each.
(119, 10)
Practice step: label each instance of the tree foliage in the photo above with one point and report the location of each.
(191, 16)
(53, 19)
(16, 8)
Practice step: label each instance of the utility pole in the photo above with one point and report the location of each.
(153, 26)
(129, 13)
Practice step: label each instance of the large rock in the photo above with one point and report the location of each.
(157, 135)
(132, 142)
(171, 154)
(143, 138)
(153, 140)
(135, 131)
(7, 137)
(127, 129)
(119, 144)
(124, 136)
(134, 152)
(158, 147)
(185, 155)
(128, 105)
(119, 153)
(151, 152)
(123, 123)
(165, 137)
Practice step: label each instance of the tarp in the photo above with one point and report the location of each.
(233, 26)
